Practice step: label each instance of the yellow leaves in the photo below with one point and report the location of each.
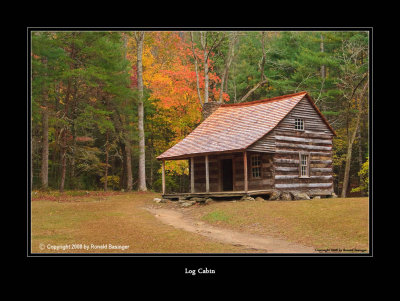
(92, 99)
(177, 167)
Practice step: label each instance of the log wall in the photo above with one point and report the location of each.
(266, 181)
(200, 173)
(315, 140)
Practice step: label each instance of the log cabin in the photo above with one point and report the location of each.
(278, 144)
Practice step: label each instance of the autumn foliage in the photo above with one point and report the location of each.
(169, 76)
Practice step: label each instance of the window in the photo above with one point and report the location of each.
(299, 124)
(304, 165)
(256, 166)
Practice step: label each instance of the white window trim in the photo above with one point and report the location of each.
(295, 124)
(308, 165)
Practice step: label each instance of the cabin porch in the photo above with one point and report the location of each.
(217, 194)
(226, 175)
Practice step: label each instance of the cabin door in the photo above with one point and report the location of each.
(227, 175)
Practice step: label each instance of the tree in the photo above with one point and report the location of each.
(47, 60)
(354, 69)
(263, 79)
(209, 41)
(231, 53)
(142, 159)
(364, 175)
(73, 73)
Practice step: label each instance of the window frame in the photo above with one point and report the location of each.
(256, 166)
(307, 165)
(296, 124)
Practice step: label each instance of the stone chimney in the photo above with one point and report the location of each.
(209, 108)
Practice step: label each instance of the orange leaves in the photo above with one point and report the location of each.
(169, 74)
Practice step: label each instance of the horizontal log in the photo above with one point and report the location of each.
(309, 117)
(262, 149)
(279, 168)
(313, 165)
(289, 152)
(306, 185)
(303, 146)
(321, 169)
(301, 139)
(287, 161)
(286, 177)
(321, 161)
(306, 133)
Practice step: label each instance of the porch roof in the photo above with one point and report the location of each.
(234, 127)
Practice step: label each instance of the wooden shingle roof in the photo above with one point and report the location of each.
(234, 127)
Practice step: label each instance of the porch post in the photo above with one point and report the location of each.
(207, 176)
(245, 171)
(192, 174)
(163, 177)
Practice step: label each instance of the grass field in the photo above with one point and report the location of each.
(321, 223)
(98, 219)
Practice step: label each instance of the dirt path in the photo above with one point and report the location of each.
(264, 243)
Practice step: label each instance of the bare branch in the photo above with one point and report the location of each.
(229, 59)
(252, 90)
(196, 69)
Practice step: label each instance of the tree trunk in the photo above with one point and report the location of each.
(323, 75)
(128, 166)
(63, 159)
(322, 48)
(127, 180)
(203, 36)
(350, 146)
(231, 53)
(106, 168)
(124, 175)
(151, 167)
(360, 159)
(142, 156)
(45, 139)
(263, 56)
(348, 160)
(45, 149)
(72, 161)
(64, 141)
(196, 70)
(73, 132)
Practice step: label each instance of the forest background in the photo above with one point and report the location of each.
(104, 105)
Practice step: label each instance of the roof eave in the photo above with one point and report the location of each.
(187, 156)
